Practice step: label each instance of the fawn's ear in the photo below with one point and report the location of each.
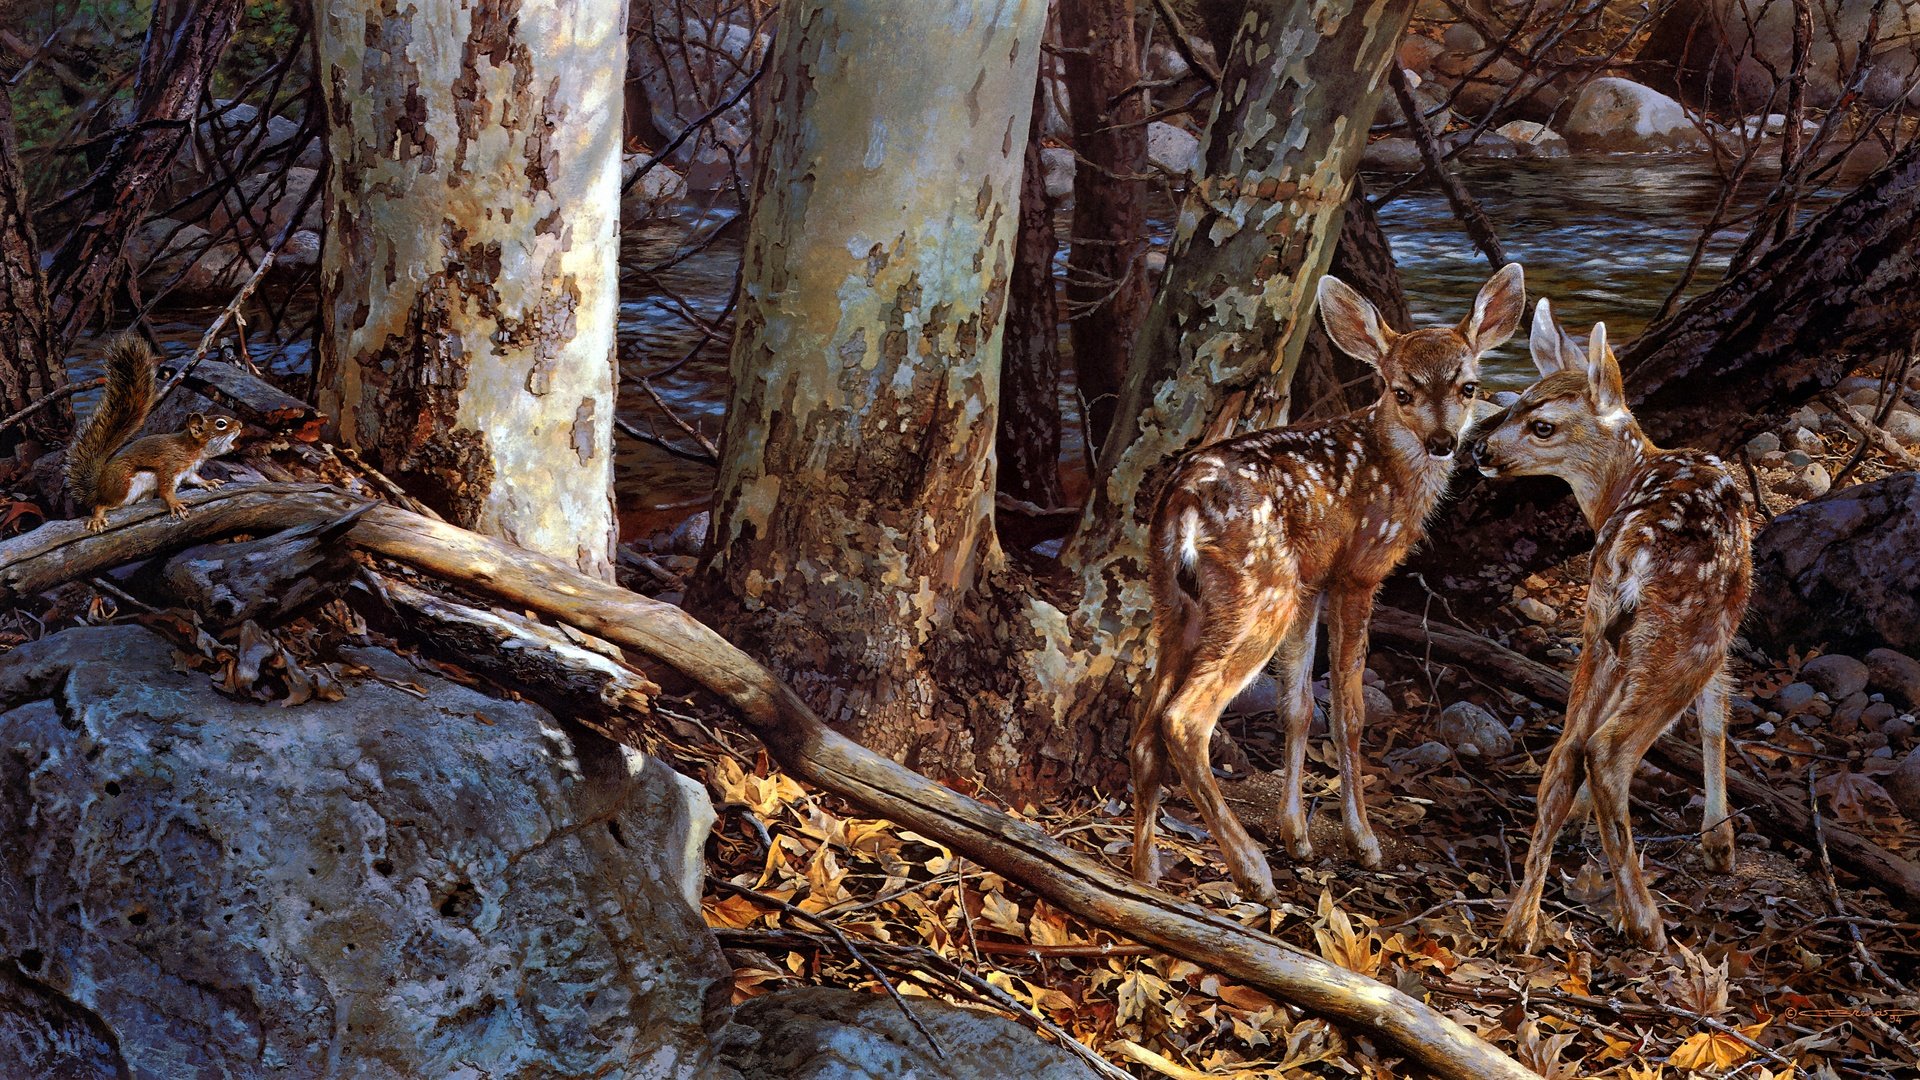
(1608, 389)
(1353, 323)
(1552, 350)
(1496, 311)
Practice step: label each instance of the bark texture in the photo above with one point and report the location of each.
(853, 547)
(1328, 382)
(1735, 360)
(1107, 290)
(471, 279)
(185, 39)
(27, 369)
(1029, 444)
(1254, 235)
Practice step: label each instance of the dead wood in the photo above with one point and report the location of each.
(1772, 811)
(267, 580)
(254, 400)
(805, 746)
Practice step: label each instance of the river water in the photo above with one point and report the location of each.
(1603, 238)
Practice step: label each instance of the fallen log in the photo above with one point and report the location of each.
(1776, 813)
(806, 747)
(253, 399)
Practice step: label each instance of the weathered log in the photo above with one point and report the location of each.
(803, 743)
(1776, 813)
(254, 400)
(1733, 361)
(264, 580)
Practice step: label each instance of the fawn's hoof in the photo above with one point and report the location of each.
(1717, 851)
(1521, 932)
(1366, 852)
(1300, 850)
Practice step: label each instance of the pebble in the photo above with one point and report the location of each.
(1798, 458)
(1811, 481)
(1535, 610)
(1876, 714)
(1427, 755)
(1807, 417)
(1804, 439)
(1904, 427)
(1896, 673)
(1846, 715)
(1764, 443)
(1835, 675)
(1904, 785)
(1765, 730)
(1793, 698)
(1898, 730)
(1473, 731)
(1379, 705)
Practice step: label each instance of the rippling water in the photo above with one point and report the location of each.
(1603, 238)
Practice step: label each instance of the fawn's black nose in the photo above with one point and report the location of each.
(1441, 444)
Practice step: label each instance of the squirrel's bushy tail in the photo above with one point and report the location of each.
(123, 408)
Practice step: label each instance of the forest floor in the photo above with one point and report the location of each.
(1765, 978)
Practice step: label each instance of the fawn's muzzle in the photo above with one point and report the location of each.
(1441, 444)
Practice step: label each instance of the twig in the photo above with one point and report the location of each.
(1472, 218)
(701, 121)
(1753, 478)
(1868, 430)
(845, 943)
(1833, 894)
(61, 394)
(1183, 46)
(692, 432)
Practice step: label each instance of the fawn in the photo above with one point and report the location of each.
(1255, 535)
(1671, 569)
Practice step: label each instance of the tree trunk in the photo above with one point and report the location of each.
(1256, 232)
(185, 39)
(1029, 442)
(1328, 382)
(853, 547)
(28, 370)
(470, 286)
(1735, 360)
(1106, 263)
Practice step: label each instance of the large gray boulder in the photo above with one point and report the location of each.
(825, 1034)
(389, 886)
(1619, 116)
(1842, 571)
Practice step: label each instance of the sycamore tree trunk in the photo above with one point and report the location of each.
(471, 279)
(854, 547)
(1106, 263)
(28, 370)
(1029, 443)
(1257, 230)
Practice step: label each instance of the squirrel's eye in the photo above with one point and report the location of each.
(1469, 390)
(1402, 396)
(1542, 429)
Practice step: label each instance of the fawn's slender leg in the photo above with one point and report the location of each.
(1648, 708)
(1147, 752)
(1594, 681)
(1347, 635)
(1716, 831)
(1294, 665)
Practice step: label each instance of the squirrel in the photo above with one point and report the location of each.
(103, 475)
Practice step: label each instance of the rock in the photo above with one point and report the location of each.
(1059, 165)
(1379, 705)
(1904, 785)
(1535, 610)
(1764, 443)
(823, 1033)
(1835, 675)
(1876, 714)
(1810, 481)
(1262, 695)
(1472, 731)
(1748, 47)
(1533, 140)
(165, 252)
(1798, 459)
(1895, 673)
(1793, 698)
(1846, 715)
(1503, 90)
(300, 252)
(1462, 38)
(1428, 755)
(1488, 147)
(1899, 730)
(652, 192)
(1842, 570)
(1804, 439)
(383, 886)
(1171, 149)
(1619, 116)
(1430, 98)
(680, 64)
(1417, 53)
(1395, 154)
(1165, 62)
(263, 205)
(1904, 427)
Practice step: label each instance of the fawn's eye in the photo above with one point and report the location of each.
(1470, 390)
(1542, 429)
(1402, 396)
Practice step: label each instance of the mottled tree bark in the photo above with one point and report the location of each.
(185, 39)
(28, 370)
(1255, 234)
(1107, 292)
(471, 284)
(1029, 442)
(1734, 361)
(853, 547)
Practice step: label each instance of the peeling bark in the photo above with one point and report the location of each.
(1106, 276)
(27, 369)
(1328, 382)
(471, 283)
